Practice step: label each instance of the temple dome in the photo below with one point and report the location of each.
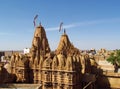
(55, 63)
(62, 61)
(47, 63)
(70, 65)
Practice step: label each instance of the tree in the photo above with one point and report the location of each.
(114, 58)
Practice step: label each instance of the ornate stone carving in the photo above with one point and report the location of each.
(62, 68)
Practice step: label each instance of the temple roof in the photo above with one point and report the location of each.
(40, 44)
(65, 46)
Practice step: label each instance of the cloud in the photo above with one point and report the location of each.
(52, 29)
(85, 23)
(65, 26)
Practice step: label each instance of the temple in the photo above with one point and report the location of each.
(65, 68)
(61, 69)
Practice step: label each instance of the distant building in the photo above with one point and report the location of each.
(1, 54)
(26, 50)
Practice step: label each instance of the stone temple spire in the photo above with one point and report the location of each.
(65, 46)
(40, 44)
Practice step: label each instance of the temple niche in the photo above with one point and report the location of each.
(61, 69)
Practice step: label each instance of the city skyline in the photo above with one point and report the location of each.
(89, 24)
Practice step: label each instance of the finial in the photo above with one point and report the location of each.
(40, 24)
(64, 31)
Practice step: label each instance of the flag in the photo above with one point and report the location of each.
(34, 20)
(60, 26)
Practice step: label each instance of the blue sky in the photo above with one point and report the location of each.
(88, 23)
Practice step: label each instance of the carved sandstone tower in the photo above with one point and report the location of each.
(40, 48)
(66, 47)
(40, 44)
(66, 66)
